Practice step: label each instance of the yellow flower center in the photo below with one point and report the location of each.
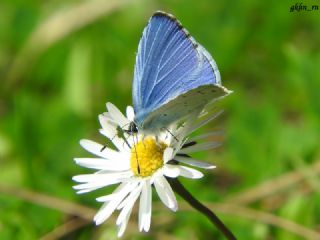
(147, 157)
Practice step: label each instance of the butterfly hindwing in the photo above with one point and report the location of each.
(191, 102)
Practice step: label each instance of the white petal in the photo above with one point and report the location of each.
(171, 171)
(193, 162)
(107, 116)
(94, 182)
(200, 147)
(133, 196)
(124, 222)
(106, 198)
(105, 171)
(206, 135)
(107, 122)
(117, 115)
(108, 125)
(205, 121)
(85, 188)
(145, 207)
(102, 151)
(110, 130)
(165, 193)
(179, 145)
(108, 208)
(115, 193)
(130, 113)
(95, 185)
(167, 154)
(102, 163)
(105, 211)
(190, 173)
(103, 177)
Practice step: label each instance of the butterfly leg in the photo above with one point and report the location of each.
(164, 128)
(103, 148)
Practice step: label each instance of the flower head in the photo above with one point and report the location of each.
(139, 162)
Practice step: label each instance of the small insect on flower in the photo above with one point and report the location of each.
(138, 163)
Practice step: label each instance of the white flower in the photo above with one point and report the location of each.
(138, 163)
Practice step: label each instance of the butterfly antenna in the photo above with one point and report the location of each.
(135, 150)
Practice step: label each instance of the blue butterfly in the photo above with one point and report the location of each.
(174, 76)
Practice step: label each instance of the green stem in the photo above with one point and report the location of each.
(183, 192)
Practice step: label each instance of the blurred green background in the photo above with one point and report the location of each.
(61, 61)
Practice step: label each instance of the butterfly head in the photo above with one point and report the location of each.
(132, 129)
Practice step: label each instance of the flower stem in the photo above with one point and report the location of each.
(183, 192)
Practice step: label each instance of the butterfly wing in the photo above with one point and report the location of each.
(169, 64)
(192, 101)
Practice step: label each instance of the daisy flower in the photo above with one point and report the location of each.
(138, 162)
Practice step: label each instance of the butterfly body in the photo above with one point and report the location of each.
(174, 75)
